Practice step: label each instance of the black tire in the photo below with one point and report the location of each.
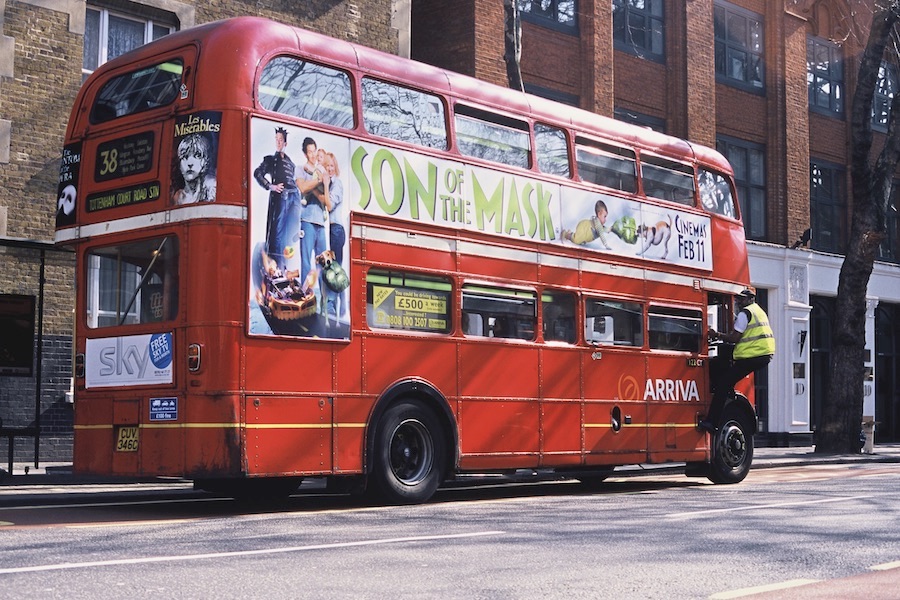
(732, 449)
(409, 456)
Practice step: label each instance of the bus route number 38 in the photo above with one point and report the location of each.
(128, 439)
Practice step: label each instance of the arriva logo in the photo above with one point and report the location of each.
(671, 390)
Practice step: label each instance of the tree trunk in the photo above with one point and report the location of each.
(512, 43)
(841, 421)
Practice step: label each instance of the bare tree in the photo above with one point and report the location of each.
(512, 43)
(872, 175)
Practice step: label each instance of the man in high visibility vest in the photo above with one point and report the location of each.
(754, 346)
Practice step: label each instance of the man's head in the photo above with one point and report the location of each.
(280, 138)
(747, 295)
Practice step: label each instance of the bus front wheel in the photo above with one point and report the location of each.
(732, 451)
(409, 454)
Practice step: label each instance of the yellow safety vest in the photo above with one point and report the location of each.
(758, 339)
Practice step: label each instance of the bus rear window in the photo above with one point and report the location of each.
(303, 89)
(132, 283)
(138, 91)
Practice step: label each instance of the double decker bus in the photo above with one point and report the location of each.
(300, 257)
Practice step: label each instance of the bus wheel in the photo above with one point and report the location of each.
(409, 455)
(732, 451)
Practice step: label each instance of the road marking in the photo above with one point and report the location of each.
(886, 566)
(784, 585)
(715, 511)
(186, 557)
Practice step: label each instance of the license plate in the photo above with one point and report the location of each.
(127, 439)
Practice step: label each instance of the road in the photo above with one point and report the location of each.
(663, 536)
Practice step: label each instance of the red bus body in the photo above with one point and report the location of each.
(228, 398)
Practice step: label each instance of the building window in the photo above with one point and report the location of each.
(739, 47)
(641, 120)
(749, 163)
(638, 28)
(109, 34)
(890, 246)
(885, 89)
(824, 76)
(827, 207)
(556, 14)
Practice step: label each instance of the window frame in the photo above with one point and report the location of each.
(491, 303)
(103, 33)
(626, 10)
(729, 146)
(545, 20)
(726, 49)
(886, 89)
(834, 81)
(835, 206)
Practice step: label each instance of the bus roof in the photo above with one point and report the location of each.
(240, 45)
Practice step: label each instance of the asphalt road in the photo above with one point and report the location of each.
(640, 537)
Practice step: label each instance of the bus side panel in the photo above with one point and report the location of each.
(614, 379)
(560, 406)
(501, 267)
(350, 417)
(212, 444)
(499, 419)
(676, 396)
(288, 366)
(94, 436)
(288, 435)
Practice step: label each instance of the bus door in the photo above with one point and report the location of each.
(615, 411)
(676, 380)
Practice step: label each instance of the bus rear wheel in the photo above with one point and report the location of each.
(732, 451)
(409, 455)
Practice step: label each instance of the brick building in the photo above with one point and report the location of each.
(768, 82)
(46, 47)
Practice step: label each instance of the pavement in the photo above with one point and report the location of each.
(60, 473)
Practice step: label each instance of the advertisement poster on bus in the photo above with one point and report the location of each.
(128, 360)
(195, 155)
(67, 191)
(298, 240)
(629, 228)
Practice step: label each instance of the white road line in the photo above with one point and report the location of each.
(784, 585)
(715, 511)
(186, 557)
(886, 566)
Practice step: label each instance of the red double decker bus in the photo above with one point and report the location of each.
(299, 257)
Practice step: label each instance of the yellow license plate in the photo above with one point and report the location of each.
(127, 439)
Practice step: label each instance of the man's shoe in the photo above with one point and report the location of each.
(706, 426)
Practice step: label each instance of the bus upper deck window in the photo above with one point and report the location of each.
(493, 137)
(138, 91)
(132, 283)
(606, 165)
(551, 150)
(403, 114)
(715, 193)
(667, 180)
(303, 89)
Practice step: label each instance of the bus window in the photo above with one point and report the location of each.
(613, 322)
(551, 150)
(499, 312)
(403, 114)
(303, 89)
(133, 283)
(138, 91)
(715, 193)
(667, 180)
(559, 316)
(408, 301)
(493, 137)
(675, 328)
(606, 165)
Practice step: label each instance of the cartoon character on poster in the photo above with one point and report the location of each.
(194, 157)
(67, 192)
(600, 222)
(299, 218)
